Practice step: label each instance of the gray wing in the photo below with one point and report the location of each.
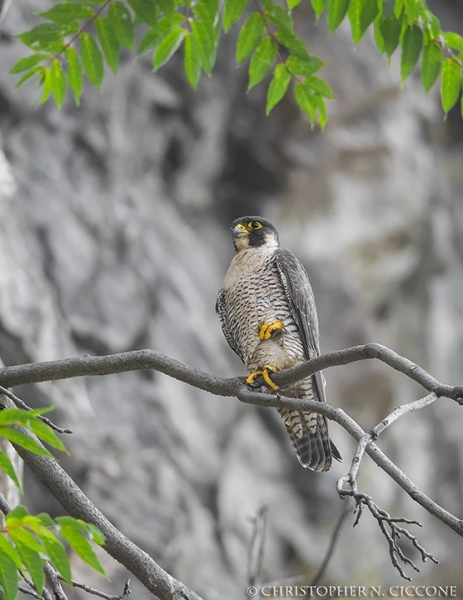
(221, 310)
(301, 302)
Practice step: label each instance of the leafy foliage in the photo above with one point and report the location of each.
(27, 542)
(79, 36)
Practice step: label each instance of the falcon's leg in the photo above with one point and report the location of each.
(266, 330)
(265, 374)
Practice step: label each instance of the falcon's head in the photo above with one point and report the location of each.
(249, 232)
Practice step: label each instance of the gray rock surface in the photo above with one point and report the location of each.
(115, 237)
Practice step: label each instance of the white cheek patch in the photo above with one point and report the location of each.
(242, 242)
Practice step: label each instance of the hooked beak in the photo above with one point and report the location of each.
(239, 231)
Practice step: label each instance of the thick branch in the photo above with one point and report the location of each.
(150, 359)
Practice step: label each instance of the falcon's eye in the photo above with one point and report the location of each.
(254, 225)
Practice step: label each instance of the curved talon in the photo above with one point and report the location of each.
(266, 330)
(266, 376)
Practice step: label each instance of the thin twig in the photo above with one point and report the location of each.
(256, 545)
(125, 592)
(21, 404)
(392, 531)
(351, 478)
(29, 592)
(334, 538)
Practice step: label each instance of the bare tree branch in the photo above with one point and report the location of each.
(150, 359)
(388, 525)
(373, 434)
(122, 549)
(392, 531)
(332, 545)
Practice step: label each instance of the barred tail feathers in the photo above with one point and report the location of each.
(309, 436)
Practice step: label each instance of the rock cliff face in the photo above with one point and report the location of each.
(114, 236)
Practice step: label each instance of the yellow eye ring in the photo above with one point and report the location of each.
(254, 225)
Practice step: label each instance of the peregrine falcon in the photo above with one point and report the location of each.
(268, 316)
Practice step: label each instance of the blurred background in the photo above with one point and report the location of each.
(115, 235)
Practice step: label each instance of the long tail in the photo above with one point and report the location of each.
(309, 435)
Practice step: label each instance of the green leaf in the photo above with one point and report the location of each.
(206, 29)
(320, 86)
(453, 40)
(322, 114)
(95, 534)
(361, 14)
(92, 59)
(153, 36)
(390, 30)
(318, 6)
(23, 440)
(121, 23)
(41, 35)
(18, 512)
(46, 434)
(146, 10)
(292, 42)
(9, 551)
(411, 10)
(337, 10)
(37, 70)
(207, 11)
(450, 83)
(305, 99)
(75, 75)
(250, 36)
(34, 564)
(68, 13)
(108, 42)
(430, 65)
(58, 88)
(11, 416)
(411, 48)
(278, 86)
(45, 519)
(23, 64)
(168, 47)
(8, 576)
(296, 66)
(81, 547)
(293, 3)
(24, 537)
(261, 61)
(192, 60)
(167, 7)
(7, 466)
(45, 77)
(57, 554)
(280, 17)
(149, 40)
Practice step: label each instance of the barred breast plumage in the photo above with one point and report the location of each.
(259, 288)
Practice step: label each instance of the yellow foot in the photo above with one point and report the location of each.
(267, 329)
(266, 376)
